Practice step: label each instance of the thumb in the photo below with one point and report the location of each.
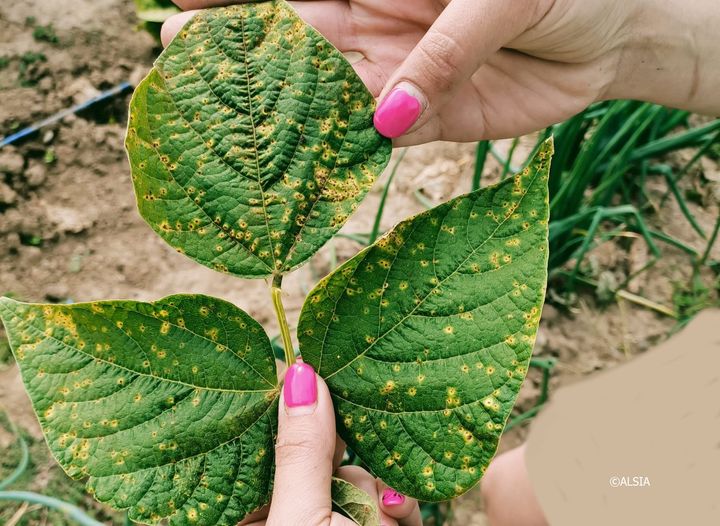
(462, 38)
(303, 451)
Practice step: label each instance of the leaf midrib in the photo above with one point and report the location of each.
(246, 430)
(122, 307)
(217, 155)
(139, 373)
(255, 142)
(405, 317)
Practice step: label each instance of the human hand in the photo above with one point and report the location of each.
(304, 464)
(484, 69)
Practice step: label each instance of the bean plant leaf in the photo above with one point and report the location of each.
(354, 503)
(168, 407)
(424, 338)
(251, 140)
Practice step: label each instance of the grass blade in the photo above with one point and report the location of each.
(483, 148)
(381, 207)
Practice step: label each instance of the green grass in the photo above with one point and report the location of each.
(27, 467)
(26, 61)
(46, 34)
(5, 353)
(42, 33)
(604, 157)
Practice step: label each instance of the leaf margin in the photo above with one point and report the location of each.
(541, 161)
(6, 310)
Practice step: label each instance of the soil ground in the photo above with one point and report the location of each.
(69, 229)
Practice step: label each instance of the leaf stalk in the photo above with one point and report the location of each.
(276, 291)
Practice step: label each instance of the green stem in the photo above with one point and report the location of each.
(422, 199)
(635, 298)
(481, 154)
(358, 238)
(662, 236)
(24, 460)
(276, 291)
(508, 161)
(710, 244)
(527, 415)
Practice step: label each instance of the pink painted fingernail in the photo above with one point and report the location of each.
(300, 389)
(398, 111)
(392, 498)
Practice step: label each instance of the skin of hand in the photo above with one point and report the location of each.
(465, 70)
(304, 451)
(505, 483)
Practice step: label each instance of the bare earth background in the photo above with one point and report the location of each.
(69, 230)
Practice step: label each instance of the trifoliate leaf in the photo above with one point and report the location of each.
(169, 407)
(424, 338)
(251, 141)
(354, 503)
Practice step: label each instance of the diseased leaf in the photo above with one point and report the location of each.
(424, 338)
(354, 503)
(169, 407)
(251, 141)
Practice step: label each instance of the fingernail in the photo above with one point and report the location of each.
(392, 498)
(300, 389)
(397, 113)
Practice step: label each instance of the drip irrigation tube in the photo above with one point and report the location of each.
(25, 132)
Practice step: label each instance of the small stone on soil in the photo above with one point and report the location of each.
(57, 292)
(8, 196)
(80, 90)
(11, 162)
(11, 221)
(30, 255)
(36, 174)
(11, 242)
(68, 219)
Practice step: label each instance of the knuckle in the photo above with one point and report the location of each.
(319, 517)
(300, 446)
(442, 60)
(288, 453)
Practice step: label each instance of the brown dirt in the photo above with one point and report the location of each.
(69, 229)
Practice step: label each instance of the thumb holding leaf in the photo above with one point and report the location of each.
(304, 453)
(460, 41)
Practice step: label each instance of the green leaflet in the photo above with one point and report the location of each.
(251, 141)
(354, 503)
(169, 407)
(424, 338)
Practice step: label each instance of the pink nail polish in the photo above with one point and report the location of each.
(392, 498)
(397, 113)
(300, 387)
